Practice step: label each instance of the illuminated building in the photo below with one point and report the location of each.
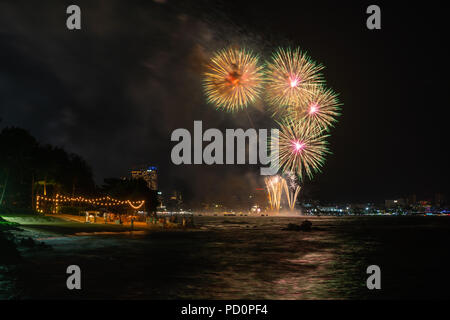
(149, 174)
(175, 200)
(394, 203)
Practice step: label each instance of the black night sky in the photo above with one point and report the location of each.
(114, 91)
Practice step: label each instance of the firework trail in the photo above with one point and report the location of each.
(274, 188)
(320, 108)
(291, 188)
(291, 77)
(302, 148)
(233, 79)
(291, 179)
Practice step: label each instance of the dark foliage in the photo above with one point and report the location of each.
(134, 189)
(28, 168)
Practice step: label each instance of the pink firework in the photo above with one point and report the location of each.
(291, 75)
(320, 109)
(302, 148)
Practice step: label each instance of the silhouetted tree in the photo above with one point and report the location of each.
(28, 168)
(133, 189)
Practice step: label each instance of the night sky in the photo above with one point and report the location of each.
(114, 91)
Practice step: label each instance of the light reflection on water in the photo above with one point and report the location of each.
(281, 264)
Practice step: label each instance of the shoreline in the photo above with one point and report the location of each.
(228, 252)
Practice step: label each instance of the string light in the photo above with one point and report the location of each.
(104, 201)
(135, 207)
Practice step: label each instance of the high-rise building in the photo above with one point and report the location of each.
(439, 199)
(149, 174)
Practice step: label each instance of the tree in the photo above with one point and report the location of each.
(132, 189)
(26, 166)
(16, 161)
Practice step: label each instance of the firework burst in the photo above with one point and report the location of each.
(302, 148)
(319, 109)
(291, 76)
(233, 79)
